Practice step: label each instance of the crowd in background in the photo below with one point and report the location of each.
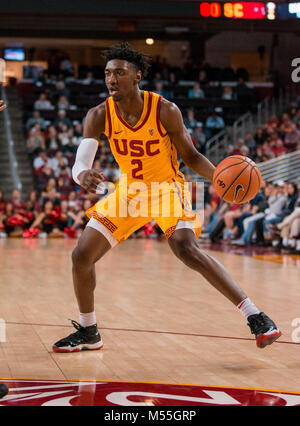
(272, 218)
(57, 206)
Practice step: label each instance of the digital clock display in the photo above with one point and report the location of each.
(236, 10)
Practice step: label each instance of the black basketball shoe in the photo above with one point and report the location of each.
(3, 390)
(86, 338)
(264, 329)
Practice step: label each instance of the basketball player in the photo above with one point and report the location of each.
(3, 388)
(146, 132)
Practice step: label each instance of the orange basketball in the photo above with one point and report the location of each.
(237, 179)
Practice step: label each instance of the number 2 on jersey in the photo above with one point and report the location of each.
(138, 168)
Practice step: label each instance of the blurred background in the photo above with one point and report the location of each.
(231, 67)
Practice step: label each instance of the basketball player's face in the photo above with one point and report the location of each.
(121, 78)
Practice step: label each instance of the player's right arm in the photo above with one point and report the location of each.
(2, 107)
(82, 171)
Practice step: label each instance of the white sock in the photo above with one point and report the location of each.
(247, 308)
(86, 320)
(285, 242)
(298, 245)
(292, 243)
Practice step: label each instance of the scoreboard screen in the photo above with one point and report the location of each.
(250, 10)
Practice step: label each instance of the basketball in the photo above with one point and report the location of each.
(237, 179)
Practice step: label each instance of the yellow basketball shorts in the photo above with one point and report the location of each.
(129, 207)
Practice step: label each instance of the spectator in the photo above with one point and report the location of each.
(227, 93)
(229, 150)
(159, 88)
(35, 119)
(60, 90)
(196, 92)
(89, 79)
(63, 103)
(35, 140)
(199, 138)
(259, 136)
(40, 160)
(62, 119)
(57, 162)
(278, 148)
(52, 140)
(237, 149)
(251, 144)
(190, 121)
(292, 137)
(42, 103)
(214, 123)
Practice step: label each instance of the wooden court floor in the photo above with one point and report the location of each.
(160, 321)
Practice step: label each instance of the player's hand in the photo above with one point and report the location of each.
(2, 107)
(90, 180)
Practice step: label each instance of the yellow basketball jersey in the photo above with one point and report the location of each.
(144, 152)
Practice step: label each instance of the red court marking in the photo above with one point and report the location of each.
(29, 392)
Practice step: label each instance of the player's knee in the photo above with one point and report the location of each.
(184, 249)
(80, 258)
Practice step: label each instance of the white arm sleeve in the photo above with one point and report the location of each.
(85, 157)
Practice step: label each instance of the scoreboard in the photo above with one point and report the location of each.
(250, 10)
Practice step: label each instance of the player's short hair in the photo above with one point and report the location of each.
(125, 52)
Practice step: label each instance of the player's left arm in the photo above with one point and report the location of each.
(171, 119)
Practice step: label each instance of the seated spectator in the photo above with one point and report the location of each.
(237, 150)
(62, 119)
(64, 134)
(229, 150)
(259, 136)
(35, 140)
(278, 147)
(78, 134)
(63, 103)
(52, 141)
(273, 122)
(189, 121)
(251, 144)
(289, 229)
(199, 138)
(41, 160)
(89, 79)
(214, 124)
(66, 67)
(286, 125)
(276, 201)
(69, 149)
(43, 174)
(292, 138)
(42, 103)
(60, 90)
(245, 151)
(196, 92)
(227, 93)
(159, 89)
(35, 119)
(57, 162)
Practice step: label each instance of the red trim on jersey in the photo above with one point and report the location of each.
(134, 129)
(158, 119)
(175, 172)
(109, 119)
